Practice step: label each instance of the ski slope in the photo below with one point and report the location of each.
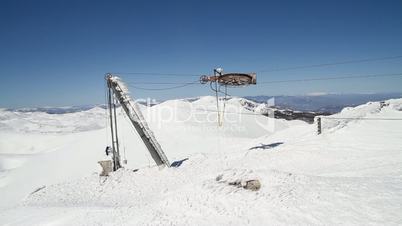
(350, 174)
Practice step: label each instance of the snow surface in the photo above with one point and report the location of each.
(350, 174)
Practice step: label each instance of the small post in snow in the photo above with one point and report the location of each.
(318, 125)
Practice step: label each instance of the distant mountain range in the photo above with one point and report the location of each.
(330, 103)
(326, 103)
(57, 110)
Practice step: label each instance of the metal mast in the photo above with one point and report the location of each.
(113, 129)
(137, 119)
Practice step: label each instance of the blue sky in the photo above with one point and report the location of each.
(55, 53)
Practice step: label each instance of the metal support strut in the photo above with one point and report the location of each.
(113, 128)
(130, 107)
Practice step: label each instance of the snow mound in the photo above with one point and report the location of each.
(370, 111)
(43, 122)
(182, 127)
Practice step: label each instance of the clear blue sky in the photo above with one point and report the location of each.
(55, 53)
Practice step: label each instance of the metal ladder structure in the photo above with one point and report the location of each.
(119, 91)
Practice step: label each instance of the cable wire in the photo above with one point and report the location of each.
(269, 70)
(156, 74)
(167, 88)
(332, 78)
(332, 64)
(158, 83)
(180, 84)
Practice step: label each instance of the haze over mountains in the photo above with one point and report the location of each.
(315, 102)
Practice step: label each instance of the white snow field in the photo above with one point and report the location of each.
(351, 174)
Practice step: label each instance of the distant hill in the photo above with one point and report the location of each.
(58, 110)
(331, 103)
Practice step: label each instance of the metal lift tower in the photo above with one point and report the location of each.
(118, 91)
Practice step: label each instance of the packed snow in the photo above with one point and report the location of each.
(350, 174)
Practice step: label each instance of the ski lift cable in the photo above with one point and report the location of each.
(157, 83)
(269, 70)
(167, 88)
(333, 78)
(180, 85)
(156, 74)
(333, 64)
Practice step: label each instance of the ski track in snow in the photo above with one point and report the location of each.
(351, 174)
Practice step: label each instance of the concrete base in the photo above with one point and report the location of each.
(107, 167)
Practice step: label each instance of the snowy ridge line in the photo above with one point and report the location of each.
(251, 111)
(206, 111)
(55, 110)
(371, 111)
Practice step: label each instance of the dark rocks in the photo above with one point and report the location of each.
(252, 185)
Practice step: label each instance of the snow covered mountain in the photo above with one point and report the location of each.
(318, 102)
(350, 174)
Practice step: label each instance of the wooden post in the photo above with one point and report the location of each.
(318, 125)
